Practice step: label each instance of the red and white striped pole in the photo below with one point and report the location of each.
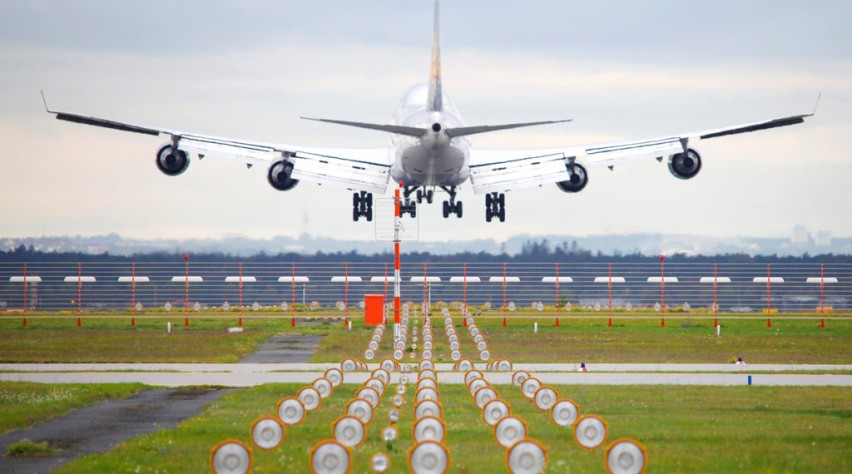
(663, 291)
(346, 294)
(768, 296)
(715, 297)
(186, 289)
(822, 296)
(609, 293)
(557, 295)
(25, 295)
(396, 293)
(293, 295)
(241, 295)
(425, 293)
(464, 293)
(384, 310)
(79, 293)
(133, 294)
(504, 295)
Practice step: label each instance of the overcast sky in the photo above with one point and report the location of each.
(249, 69)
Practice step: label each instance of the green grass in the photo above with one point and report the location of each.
(685, 429)
(23, 404)
(789, 341)
(115, 340)
(27, 448)
(112, 339)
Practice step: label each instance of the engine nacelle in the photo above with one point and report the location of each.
(171, 161)
(685, 165)
(279, 176)
(578, 179)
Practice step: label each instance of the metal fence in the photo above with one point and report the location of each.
(555, 287)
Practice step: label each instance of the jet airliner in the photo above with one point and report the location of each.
(429, 150)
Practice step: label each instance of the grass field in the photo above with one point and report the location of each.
(685, 429)
(789, 341)
(23, 404)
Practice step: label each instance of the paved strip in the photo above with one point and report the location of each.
(314, 367)
(237, 379)
(100, 427)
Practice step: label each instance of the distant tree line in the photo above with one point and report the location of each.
(532, 251)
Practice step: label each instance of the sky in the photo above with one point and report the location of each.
(622, 70)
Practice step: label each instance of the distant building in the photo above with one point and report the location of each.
(822, 238)
(800, 235)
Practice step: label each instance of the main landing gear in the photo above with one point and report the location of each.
(495, 206)
(362, 206)
(425, 194)
(451, 206)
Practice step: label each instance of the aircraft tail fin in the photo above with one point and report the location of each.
(435, 87)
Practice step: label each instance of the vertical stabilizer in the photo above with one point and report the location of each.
(435, 88)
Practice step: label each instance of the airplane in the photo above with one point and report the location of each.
(429, 150)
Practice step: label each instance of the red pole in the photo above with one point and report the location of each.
(768, 296)
(557, 295)
(293, 291)
(609, 293)
(133, 294)
(464, 290)
(346, 291)
(186, 290)
(25, 295)
(821, 295)
(396, 275)
(504, 295)
(385, 312)
(425, 292)
(464, 284)
(79, 290)
(241, 294)
(663, 291)
(715, 297)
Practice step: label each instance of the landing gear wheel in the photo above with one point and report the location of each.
(429, 195)
(446, 209)
(419, 196)
(459, 209)
(495, 206)
(362, 206)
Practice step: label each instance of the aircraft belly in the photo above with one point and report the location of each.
(425, 166)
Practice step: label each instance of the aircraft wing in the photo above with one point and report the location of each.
(503, 170)
(366, 169)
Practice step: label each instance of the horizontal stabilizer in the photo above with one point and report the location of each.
(397, 129)
(464, 131)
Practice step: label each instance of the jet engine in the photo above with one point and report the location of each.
(279, 175)
(578, 179)
(685, 165)
(170, 161)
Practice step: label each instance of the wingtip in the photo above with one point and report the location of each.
(819, 96)
(44, 100)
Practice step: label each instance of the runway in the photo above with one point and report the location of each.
(247, 375)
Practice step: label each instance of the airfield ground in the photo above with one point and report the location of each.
(792, 339)
(684, 428)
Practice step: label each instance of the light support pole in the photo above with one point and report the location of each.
(396, 293)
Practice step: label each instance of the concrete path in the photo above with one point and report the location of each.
(284, 348)
(99, 427)
(247, 375)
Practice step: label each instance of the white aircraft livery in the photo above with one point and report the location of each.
(429, 151)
